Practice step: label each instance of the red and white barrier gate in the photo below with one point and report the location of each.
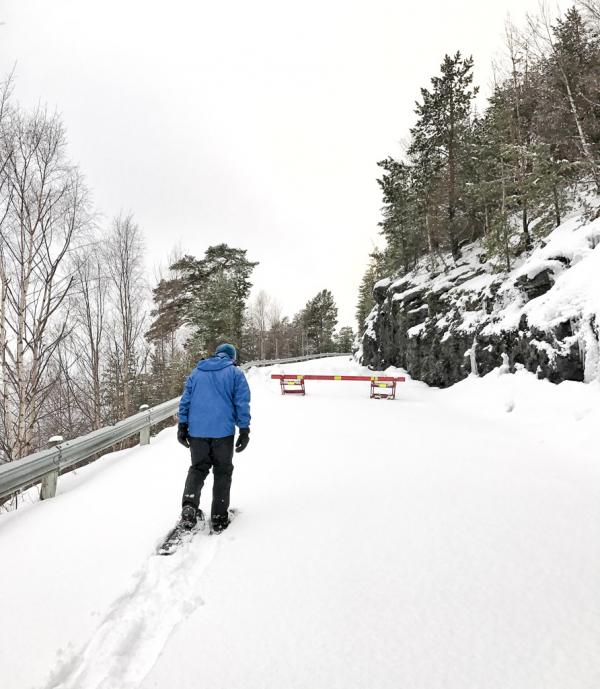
(382, 387)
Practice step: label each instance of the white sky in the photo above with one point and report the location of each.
(253, 122)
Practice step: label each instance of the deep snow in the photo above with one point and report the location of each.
(445, 540)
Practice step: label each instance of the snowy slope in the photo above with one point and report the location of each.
(571, 256)
(376, 547)
(444, 323)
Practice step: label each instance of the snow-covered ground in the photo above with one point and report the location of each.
(445, 540)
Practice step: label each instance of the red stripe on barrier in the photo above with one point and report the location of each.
(296, 376)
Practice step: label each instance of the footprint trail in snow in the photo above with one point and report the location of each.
(132, 635)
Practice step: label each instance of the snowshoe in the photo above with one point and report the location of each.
(182, 532)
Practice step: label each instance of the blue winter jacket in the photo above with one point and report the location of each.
(216, 399)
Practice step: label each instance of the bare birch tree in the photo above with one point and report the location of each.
(276, 327)
(45, 208)
(124, 258)
(259, 315)
(4, 196)
(590, 8)
(88, 308)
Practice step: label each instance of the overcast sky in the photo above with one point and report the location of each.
(253, 122)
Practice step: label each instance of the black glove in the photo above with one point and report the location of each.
(243, 440)
(182, 434)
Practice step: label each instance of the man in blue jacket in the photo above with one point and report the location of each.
(216, 399)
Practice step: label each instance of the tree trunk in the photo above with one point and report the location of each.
(556, 205)
(452, 189)
(525, 226)
(585, 146)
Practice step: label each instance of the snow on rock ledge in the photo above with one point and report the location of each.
(543, 315)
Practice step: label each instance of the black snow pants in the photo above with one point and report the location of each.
(206, 453)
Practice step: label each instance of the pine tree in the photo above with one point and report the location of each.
(319, 319)
(344, 340)
(400, 224)
(576, 66)
(440, 137)
(208, 296)
(569, 53)
(494, 186)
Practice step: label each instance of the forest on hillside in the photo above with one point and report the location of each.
(507, 175)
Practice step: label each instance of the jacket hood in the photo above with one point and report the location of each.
(215, 363)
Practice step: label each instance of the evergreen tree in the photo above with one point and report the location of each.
(494, 186)
(441, 134)
(208, 296)
(569, 55)
(575, 74)
(400, 216)
(344, 340)
(319, 319)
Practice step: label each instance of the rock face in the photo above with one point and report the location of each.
(440, 325)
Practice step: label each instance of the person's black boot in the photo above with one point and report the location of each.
(219, 523)
(188, 517)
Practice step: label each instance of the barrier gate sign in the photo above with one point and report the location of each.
(382, 387)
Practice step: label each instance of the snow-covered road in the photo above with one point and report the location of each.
(445, 540)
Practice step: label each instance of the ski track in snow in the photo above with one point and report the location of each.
(131, 637)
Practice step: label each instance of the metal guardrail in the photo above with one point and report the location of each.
(291, 360)
(44, 466)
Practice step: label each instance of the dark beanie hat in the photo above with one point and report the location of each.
(228, 349)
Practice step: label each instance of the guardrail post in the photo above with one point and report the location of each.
(50, 480)
(145, 432)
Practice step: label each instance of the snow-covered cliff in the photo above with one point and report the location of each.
(544, 315)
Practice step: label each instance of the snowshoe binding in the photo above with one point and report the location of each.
(190, 516)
